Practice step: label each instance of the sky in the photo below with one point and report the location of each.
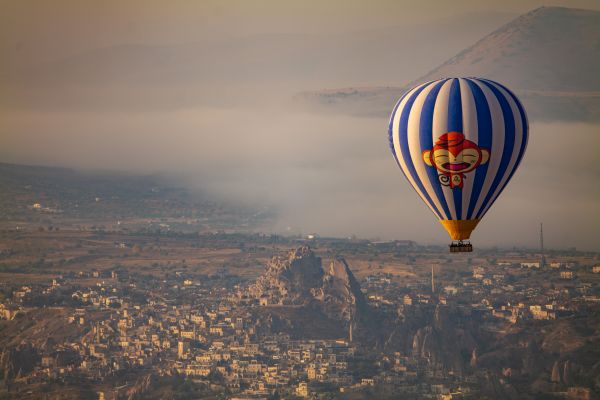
(204, 90)
(38, 30)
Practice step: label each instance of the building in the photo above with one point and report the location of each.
(183, 348)
(566, 274)
(302, 389)
(530, 265)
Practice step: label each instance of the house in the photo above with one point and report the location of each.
(183, 348)
(530, 265)
(566, 274)
(450, 289)
(302, 389)
(187, 334)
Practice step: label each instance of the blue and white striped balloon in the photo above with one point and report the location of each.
(458, 141)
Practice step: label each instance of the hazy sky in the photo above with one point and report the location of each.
(38, 29)
(220, 113)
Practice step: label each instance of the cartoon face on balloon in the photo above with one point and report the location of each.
(453, 156)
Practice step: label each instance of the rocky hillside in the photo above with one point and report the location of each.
(301, 297)
(304, 299)
(443, 336)
(544, 356)
(549, 56)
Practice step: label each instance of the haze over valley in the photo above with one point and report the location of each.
(254, 115)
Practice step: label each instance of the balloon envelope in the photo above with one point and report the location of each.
(458, 142)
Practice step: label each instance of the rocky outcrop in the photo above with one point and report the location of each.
(140, 387)
(289, 280)
(18, 361)
(299, 279)
(555, 376)
(443, 341)
(546, 357)
(340, 292)
(303, 297)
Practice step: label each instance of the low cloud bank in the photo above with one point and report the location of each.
(333, 175)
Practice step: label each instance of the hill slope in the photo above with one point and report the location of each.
(549, 56)
(547, 49)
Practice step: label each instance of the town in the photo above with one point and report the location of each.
(300, 324)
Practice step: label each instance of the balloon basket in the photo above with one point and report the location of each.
(460, 247)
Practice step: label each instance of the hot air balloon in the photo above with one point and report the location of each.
(458, 142)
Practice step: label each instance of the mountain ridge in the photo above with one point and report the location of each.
(548, 56)
(533, 37)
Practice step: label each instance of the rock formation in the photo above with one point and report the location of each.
(300, 280)
(18, 360)
(555, 378)
(298, 290)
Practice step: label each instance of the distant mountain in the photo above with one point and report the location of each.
(219, 70)
(549, 56)
(550, 49)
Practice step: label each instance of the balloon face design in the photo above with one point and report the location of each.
(454, 156)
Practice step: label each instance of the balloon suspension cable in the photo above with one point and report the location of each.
(460, 246)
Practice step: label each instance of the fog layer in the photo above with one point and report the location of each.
(333, 175)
